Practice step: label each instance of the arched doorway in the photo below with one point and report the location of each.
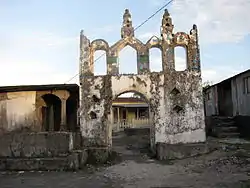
(51, 113)
(130, 109)
(131, 124)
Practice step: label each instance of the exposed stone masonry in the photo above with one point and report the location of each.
(174, 97)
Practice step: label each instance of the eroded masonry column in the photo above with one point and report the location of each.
(194, 50)
(63, 115)
(142, 61)
(167, 42)
(63, 95)
(112, 63)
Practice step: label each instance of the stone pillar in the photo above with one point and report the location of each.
(112, 117)
(118, 114)
(63, 115)
(142, 62)
(170, 60)
(137, 113)
(194, 50)
(51, 118)
(63, 95)
(112, 64)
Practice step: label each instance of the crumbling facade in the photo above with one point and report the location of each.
(38, 108)
(174, 97)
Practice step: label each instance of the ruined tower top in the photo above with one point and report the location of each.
(127, 27)
(166, 43)
(167, 25)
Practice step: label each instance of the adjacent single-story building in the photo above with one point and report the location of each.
(231, 98)
(39, 107)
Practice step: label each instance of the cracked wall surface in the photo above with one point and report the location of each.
(174, 97)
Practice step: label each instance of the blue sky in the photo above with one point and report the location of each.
(39, 40)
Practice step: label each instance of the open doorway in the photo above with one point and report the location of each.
(131, 124)
(224, 90)
(130, 110)
(71, 112)
(51, 114)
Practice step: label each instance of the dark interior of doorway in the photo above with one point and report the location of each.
(51, 113)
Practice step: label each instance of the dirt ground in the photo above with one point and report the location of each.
(228, 166)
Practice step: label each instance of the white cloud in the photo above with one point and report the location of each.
(101, 31)
(30, 75)
(38, 39)
(180, 63)
(220, 73)
(23, 61)
(19, 72)
(217, 20)
(146, 36)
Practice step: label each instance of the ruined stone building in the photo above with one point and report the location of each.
(174, 97)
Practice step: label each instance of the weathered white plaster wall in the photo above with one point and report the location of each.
(187, 126)
(20, 109)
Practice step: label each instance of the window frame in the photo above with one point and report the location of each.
(246, 85)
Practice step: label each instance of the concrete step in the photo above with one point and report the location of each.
(36, 164)
(230, 129)
(226, 118)
(74, 161)
(228, 135)
(225, 124)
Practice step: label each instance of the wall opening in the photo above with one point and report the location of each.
(71, 111)
(180, 56)
(51, 113)
(155, 60)
(130, 109)
(100, 62)
(131, 122)
(225, 102)
(128, 61)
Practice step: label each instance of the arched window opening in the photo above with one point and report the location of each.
(155, 59)
(100, 62)
(180, 55)
(128, 61)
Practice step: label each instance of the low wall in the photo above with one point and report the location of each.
(43, 144)
(48, 151)
(179, 151)
(243, 124)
